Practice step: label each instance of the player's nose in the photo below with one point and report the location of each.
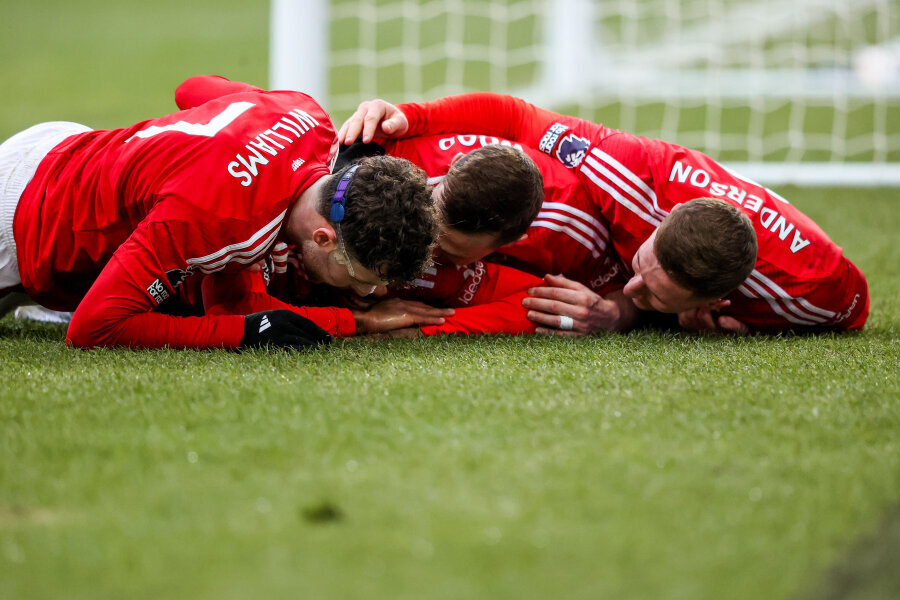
(634, 287)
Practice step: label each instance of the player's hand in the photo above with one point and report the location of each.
(398, 314)
(568, 308)
(371, 119)
(703, 319)
(282, 329)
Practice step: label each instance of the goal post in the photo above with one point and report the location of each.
(805, 91)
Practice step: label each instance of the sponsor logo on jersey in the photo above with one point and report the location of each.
(177, 276)
(157, 291)
(571, 150)
(844, 316)
(548, 142)
(612, 268)
(297, 164)
(473, 274)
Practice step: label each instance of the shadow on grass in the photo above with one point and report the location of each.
(869, 570)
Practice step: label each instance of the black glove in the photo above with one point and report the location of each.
(356, 151)
(282, 329)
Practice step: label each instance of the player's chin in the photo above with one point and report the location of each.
(640, 304)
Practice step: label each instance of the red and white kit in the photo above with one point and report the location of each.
(488, 297)
(801, 277)
(116, 220)
(569, 236)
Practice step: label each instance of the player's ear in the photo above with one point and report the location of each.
(324, 237)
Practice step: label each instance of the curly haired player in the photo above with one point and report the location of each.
(114, 221)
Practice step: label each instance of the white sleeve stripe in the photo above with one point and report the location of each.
(766, 291)
(801, 318)
(423, 283)
(619, 198)
(812, 308)
(243, 258)
(626, 172)
(774, 304)
(571, 233)
(600, 241)
(622, 185)
(781, 293)
(240, 245)
(257, 251)
(601, 228)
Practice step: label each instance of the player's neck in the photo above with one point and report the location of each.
(303, 216)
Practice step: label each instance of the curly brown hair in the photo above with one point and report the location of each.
(390, 223)
(706, 246)
(495, 189)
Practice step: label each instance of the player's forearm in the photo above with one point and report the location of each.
(92, 328)
(244, 293)
(482, 113)
(505, 316)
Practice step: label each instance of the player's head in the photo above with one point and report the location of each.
(384, 221)
(488, 199)
(702, 251)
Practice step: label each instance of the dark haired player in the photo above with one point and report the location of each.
(800, 279)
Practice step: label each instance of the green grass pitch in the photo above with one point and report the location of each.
(647, 466)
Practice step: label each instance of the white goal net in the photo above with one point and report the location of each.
(793, 90)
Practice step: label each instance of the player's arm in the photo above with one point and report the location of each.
(488, 299)
(482, 112)
(585, 296)
(244, 292)
(839, 301)
(566, 307)
(200, 89)
(118, 310)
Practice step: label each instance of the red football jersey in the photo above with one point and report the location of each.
(121, 217)
(801, 277)
(569, 236)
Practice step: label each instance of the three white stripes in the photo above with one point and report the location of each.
(246, 252)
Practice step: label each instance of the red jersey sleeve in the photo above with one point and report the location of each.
(117, 312)
(245, 292)
(200, 89)
(481, 113)
(487, 297)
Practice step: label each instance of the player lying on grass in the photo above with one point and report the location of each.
(566, 237)
(799, 280)
(488, 195)
(113, 221)
(496, 193)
